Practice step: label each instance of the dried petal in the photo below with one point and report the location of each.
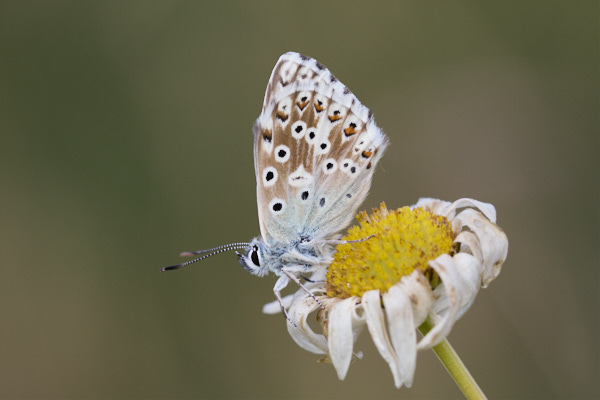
(371, 303)
(398, 310)
(302, 333)
(340, 335)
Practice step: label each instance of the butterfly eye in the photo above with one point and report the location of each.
(254, 256)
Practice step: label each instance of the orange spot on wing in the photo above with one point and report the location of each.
(334, 117)
(367, 154)
(301, 105)
(319, 106)
(267, 135)
(282, 116)
(349, 131)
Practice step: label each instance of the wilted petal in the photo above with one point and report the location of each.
(401, 326)
(358, 323)
(469, 243)
(435, 206)
(445, 268)
(418, 290)
(449, 210)
(492, 240)
(302, 334)
(275, 308)
(371, 303)
(487, 209)
(469, 272)
(341, 336)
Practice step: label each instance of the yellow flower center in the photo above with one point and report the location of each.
(403, 240)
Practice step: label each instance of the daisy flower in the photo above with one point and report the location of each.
(417, 267)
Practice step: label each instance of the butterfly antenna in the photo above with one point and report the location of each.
(212, 252)
(230, 246)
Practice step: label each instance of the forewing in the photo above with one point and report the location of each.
(315, 150)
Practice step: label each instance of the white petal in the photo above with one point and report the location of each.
(302, 334)
(401, 326)
(469, 243)
(371, 303)
(445, 268)
(492, 240)
(435, 206)
(275, 308)
(340, 335)
(448, 210)
(358, 318)
(468, 269)
(358, 323)
(486, 209)
(418, 289)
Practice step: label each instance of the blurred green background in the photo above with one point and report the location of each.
(126, 139)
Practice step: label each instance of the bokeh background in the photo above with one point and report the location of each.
(126, 139)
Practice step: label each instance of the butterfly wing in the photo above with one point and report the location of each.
(315, 150)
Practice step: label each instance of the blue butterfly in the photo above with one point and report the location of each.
(315, 150)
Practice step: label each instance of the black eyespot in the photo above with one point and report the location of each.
(353, 169)
(254, 256)
(281, 153)
(322, 201)
(348, 195)
(277, 207)
(304, 195)
(346, 165)
(298, 129)
(329, 165)
(323, 146)
(311, 135)
(270, 175)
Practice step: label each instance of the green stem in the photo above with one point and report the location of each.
(454, 366)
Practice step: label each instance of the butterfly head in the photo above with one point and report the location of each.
(255, 258)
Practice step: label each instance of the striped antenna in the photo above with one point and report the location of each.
(212, 252)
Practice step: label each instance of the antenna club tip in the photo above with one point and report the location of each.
(187, 254)
(170, 268)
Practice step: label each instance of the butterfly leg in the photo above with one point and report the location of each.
(307, 279)
(336, 242)
(297, 281)
(279, 286)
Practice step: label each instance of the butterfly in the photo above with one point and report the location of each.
(315, 150)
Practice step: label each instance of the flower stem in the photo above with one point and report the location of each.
(454, 366)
